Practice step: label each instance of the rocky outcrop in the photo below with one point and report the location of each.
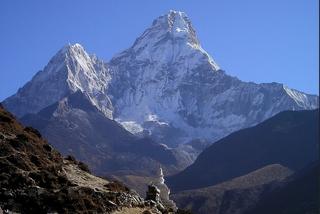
(153, 193)
(35, 178)
(153, 197)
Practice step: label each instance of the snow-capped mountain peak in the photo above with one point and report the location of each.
(73, 49)
(177, 24)
(65, 57)
(70, 70)
(170, 39)
(89, 75)
(166, 79)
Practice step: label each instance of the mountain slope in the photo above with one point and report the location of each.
(74, 126)
(35, 178)
(166, 86)
(271, 189)
(233, 196)
(290, 138)
(299, 195)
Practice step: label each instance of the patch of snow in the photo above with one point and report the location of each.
(131, 126)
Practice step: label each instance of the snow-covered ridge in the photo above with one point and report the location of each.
(300, 98)
(90, 76)
(70, 70)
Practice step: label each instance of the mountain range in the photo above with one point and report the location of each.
(165, 86)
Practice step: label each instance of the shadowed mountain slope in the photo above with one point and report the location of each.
(290, 138)
(74, 126)
(299, 195)
(234, 196)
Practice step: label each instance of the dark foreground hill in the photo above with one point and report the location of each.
(290, 138)
(234, 196)
(35, 178)
(271, 189)
(299, 195)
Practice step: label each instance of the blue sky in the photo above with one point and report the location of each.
(259, 41)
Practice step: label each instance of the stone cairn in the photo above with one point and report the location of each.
(153, 193)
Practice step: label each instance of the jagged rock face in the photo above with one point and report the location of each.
(165, 86)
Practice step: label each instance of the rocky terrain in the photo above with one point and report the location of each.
(35, 178)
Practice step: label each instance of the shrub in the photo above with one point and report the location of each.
(84, 167)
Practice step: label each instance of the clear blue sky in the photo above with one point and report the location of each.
(255, 40)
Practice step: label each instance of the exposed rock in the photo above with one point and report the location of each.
(35, 178)
(153, 193)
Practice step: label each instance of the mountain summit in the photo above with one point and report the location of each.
(170, 39)
(165, 86)
(70, 70)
